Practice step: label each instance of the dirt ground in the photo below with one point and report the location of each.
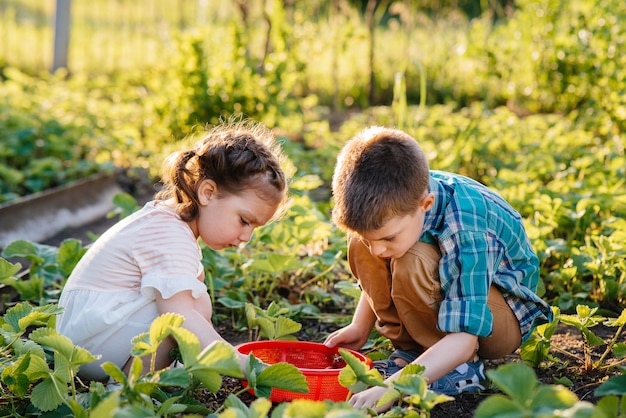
(565, 340)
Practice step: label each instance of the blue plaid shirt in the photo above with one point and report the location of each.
(482, 242)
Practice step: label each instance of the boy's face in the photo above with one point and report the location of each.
(398, 234)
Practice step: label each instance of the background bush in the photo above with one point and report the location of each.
(527, 98)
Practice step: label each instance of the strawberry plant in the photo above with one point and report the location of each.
(537, 348)
(271, 323)
(523, 396)
(613, 391)
(409, 392)
(39, 368)
(530, 104)
(49, 268)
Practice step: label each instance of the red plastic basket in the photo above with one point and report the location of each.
(319, 364)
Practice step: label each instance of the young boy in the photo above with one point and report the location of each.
(446, 270)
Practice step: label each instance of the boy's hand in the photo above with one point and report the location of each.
(352, 337)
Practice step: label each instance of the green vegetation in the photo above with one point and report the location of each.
(531, 102)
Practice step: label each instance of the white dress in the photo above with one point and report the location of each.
(110, 296)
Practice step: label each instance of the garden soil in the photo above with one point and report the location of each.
(566, 347)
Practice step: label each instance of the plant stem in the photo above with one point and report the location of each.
(618, 363)
(314, 279)
(566, 353)
(609, 347)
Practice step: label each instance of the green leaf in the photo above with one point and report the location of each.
(62, 368)
(7, 269)
(619, 350)
(209, 378)
(620, 321)
(251, 315)
(15, 376)
(115, 372)
(362, 372)
(160, 327)
(307, 182)
(47, 394)
(609, 406)
(70, 253)
(267, 327)
(259, 408)
(391, 395)
(222, 358)
(22, 347)
(537, 347)
(534, 350)
(141, 345)
(286, 326)
(136, 369)
(77, 409)
(174, 377)
(581, 409)
(24, 249)
(516, 380)
(274, 310)
(550, 398)
(22, 316)
(306, 408)
(282, 376)
(592, 338)
(275, 263)
(349, 289)
(565, 381)
(615, 385)
(141, 386)
(37, 368)
(231, 303)
(171, 408)
(572, 320)
(148, 343)
(218, 358)
(188, 345)
(498, 406)
(62, 345)
(126, 205)
(106, 407)
(234, 402)
(411, 384)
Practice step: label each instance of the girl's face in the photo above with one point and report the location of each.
(398, 234)
(229, 220)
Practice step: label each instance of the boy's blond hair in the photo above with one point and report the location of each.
(380, 173)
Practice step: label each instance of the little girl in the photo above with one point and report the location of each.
(149, 263)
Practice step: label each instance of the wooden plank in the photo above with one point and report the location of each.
(42, 215)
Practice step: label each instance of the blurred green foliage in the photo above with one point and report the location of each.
(528, 100)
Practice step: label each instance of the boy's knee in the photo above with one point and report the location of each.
(421, 259)
(416, 279)
(506, 336)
